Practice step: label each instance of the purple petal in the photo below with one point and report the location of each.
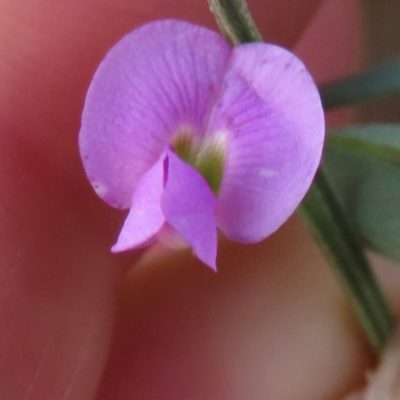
(145, 217)
(270, 113)
(158, 79)
(189, 207)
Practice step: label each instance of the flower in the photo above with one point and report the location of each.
(193, 135)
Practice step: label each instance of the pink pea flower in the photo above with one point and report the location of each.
(193, 135)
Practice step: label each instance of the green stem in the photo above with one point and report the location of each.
(341, 246)
(235, 21)
(321, 210)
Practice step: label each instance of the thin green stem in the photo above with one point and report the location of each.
(322, 212)
(235, 21)
(342, 247)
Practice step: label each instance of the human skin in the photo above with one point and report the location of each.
(74, 324)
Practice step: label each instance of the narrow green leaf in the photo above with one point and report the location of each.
(363, 165)
(380, 81)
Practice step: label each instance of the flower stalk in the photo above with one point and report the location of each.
(322, 212)
(341, 245)
(235, 21)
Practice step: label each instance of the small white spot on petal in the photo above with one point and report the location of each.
(219, 139)
(266, 173)
(100, 189)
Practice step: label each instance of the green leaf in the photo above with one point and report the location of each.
(362, 164)
(380, 81)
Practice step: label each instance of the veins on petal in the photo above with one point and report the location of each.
(241, 130)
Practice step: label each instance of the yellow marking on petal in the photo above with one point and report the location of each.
(206, 155)
(183, 144)
(210, 159)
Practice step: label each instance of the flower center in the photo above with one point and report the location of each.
(205, 154)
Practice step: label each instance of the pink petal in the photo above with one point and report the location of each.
(270, 113)
(157, 79)
(145, 217)
(189, 206)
